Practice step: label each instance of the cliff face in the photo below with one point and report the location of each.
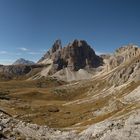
(76, 55)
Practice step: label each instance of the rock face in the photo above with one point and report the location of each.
(77, 55)
(123, 54)
(125, 63)
(22, 61)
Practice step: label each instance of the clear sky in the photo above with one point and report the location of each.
(28, 28)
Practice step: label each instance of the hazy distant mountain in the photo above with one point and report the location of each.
(22, 61)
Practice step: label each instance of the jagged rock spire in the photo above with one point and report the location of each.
(56, 46)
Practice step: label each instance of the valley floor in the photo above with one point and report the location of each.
(52, 109)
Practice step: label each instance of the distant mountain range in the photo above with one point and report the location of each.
(75, 61)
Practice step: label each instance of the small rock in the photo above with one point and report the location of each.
(53, 109)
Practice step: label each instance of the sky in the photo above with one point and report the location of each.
(28, 28)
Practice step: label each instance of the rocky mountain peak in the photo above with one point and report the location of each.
(22, 61)
(56, 46)
(76, 55)
(79, 55)
(78, 43)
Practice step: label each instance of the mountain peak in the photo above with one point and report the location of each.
(56, 46)
(75, 55)
(22, 61)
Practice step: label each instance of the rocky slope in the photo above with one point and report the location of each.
(13, 129)
(126, 128)
(14, 71)
(22, 61)
(123, 54)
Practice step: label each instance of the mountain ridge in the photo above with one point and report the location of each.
(76, 61)
(22, 61)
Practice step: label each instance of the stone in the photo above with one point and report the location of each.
(53, 109)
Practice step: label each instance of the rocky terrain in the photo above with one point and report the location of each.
(123, 54)
(72, 94)
(128, 128)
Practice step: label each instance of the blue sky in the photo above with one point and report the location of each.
(28, 28)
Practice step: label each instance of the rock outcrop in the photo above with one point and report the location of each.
(124, 54)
